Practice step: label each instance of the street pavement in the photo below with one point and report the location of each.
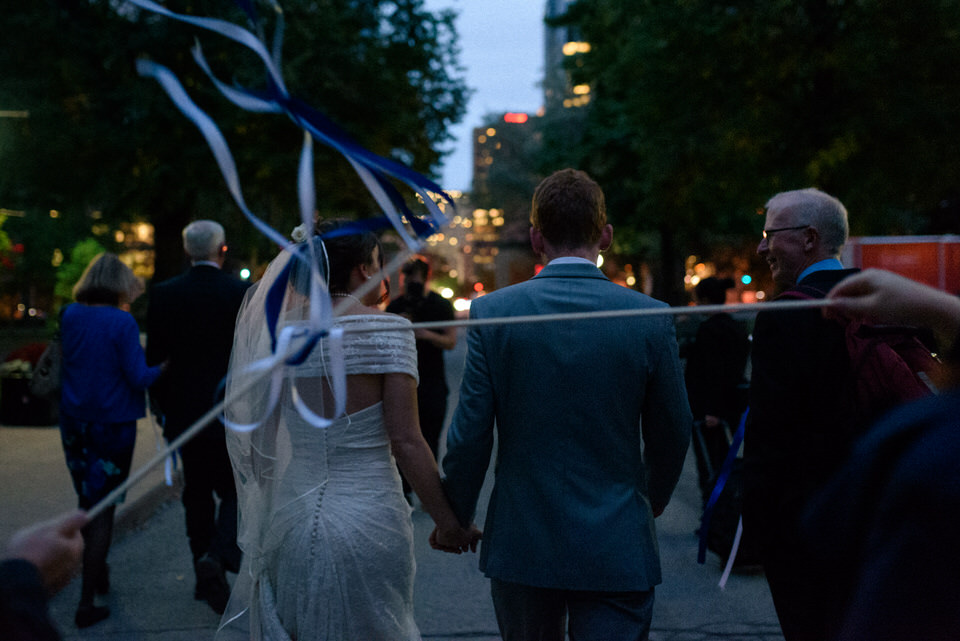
(152, 580)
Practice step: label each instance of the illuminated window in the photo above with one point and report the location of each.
(573, 48)
(581, 90)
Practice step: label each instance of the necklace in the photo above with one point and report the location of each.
(341, 295)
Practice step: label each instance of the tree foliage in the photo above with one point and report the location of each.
(103, 142)
(701, 110)
(70, 272)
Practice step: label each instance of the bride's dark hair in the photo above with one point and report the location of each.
(346, 250)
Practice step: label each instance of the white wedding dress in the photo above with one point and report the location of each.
(324, 526)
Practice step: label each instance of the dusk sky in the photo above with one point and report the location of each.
(501, 44)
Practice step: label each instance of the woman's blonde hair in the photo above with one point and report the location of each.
(107, 280)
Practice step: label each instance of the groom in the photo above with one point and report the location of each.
(593, 426)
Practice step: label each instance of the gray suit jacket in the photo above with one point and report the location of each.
(593, 427)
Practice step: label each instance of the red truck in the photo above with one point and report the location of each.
(934, 260)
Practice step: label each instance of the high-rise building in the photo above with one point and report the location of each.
(560, 44)
(503, 181)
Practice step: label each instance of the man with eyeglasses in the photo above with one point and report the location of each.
(800, 427)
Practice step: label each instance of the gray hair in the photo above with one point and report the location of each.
(202, 239)
(819, 210)
(107, 280)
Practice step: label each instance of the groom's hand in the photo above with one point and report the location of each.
(455, 540)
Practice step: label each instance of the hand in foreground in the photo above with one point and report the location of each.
(457, 540)
(883, 297)
(54, 546)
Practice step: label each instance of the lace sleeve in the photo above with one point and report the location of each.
(372, 344)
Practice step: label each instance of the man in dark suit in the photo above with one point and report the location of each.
(801, 424)
(593, 426)
(190, 322)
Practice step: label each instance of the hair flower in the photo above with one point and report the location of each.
(299, 233)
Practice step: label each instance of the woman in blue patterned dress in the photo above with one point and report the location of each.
(104, 374)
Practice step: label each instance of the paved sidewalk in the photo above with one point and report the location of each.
(152, 591)
(36, 484)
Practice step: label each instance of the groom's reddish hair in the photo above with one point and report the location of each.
(569, 209)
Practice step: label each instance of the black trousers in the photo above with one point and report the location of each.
(432, 405)
(207, 477)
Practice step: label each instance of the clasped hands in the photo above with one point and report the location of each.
(456, 540)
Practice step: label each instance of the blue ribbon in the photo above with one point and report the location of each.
(273, 303)
(725, 470)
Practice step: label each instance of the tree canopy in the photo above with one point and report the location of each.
(701, 110)
(103, 143)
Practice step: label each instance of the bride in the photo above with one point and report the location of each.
(324, 526)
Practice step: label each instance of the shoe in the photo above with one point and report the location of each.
(88, 615)
(103, 584)
(212, 585)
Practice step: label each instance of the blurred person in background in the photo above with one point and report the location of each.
(190, 322)
(104, 375)
(419, 304)
(715, 378)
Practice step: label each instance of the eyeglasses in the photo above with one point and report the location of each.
(768, 232)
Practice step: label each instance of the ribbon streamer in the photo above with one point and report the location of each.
(725, 470)
(371, 168)
(731, 559)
